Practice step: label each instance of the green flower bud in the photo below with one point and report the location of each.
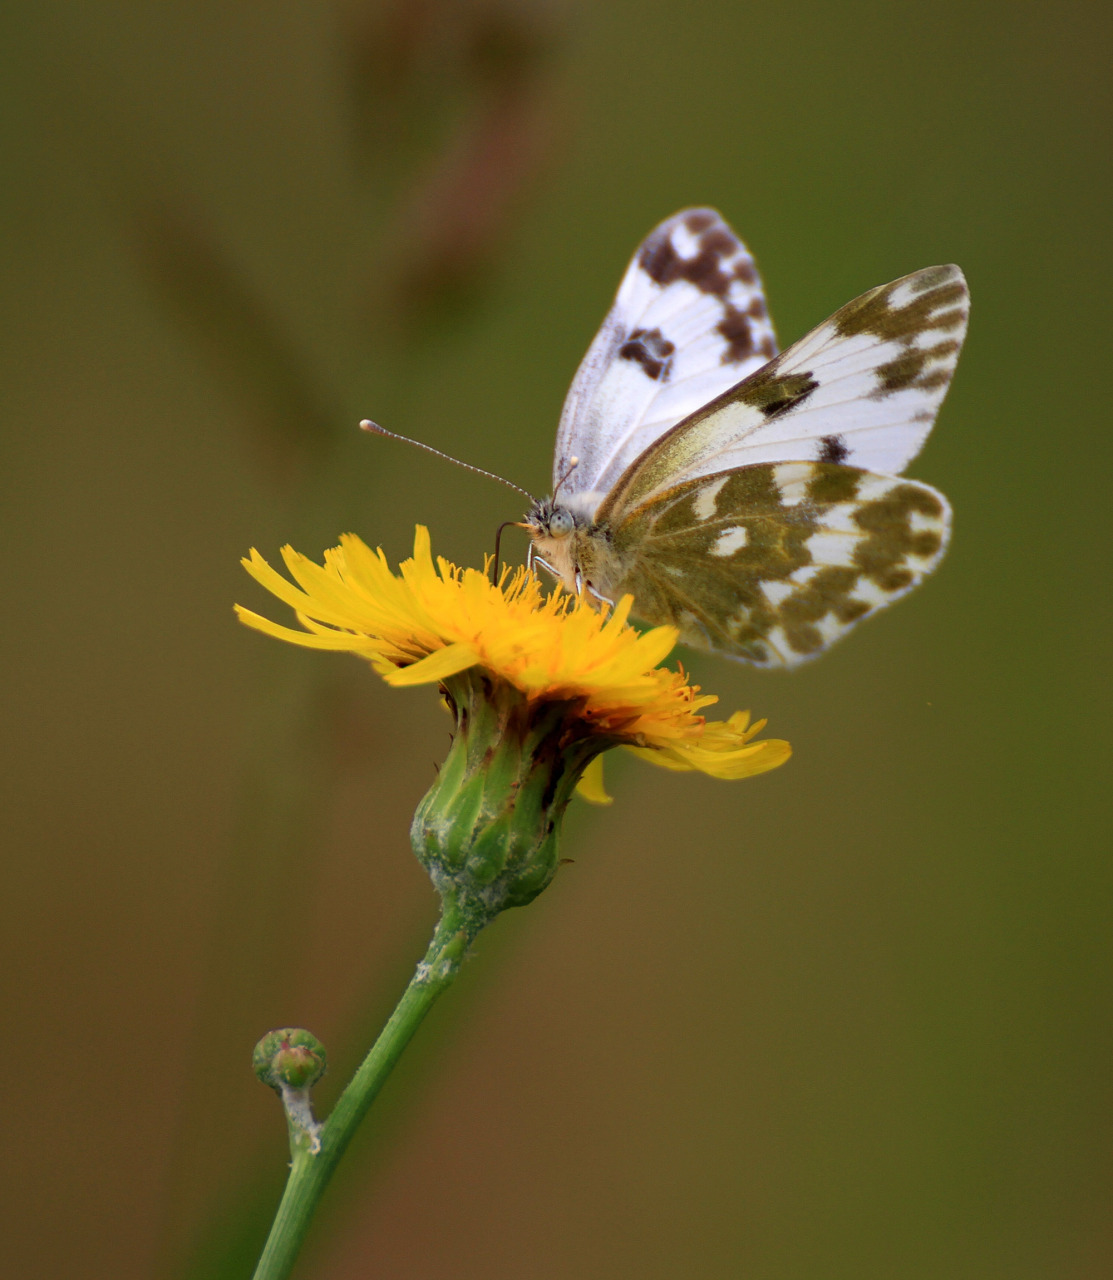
(487, 830)
(291, 1061)
(290, 1058)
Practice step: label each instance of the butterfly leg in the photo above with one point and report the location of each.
(582, 586)
(533, 558)
(600, 597)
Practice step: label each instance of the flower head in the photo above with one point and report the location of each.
(432, 621)
(539, 685)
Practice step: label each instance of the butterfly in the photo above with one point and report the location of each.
(752, 500)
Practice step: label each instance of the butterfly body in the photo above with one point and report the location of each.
(750, 499)
(568, 543)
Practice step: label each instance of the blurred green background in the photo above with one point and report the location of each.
(850, 1020)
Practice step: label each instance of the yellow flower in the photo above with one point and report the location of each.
(433, 621)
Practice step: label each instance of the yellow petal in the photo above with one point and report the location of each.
(742, 762)
(342, 640)
(590, 786)
(438, 666)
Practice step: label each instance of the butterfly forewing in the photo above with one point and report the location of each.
(689, 321)
(862, 389)
(774, 562)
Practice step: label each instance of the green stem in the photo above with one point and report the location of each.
(309, 1172)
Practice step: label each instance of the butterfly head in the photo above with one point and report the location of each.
(563, 534)
(549, 519)
(551, 527)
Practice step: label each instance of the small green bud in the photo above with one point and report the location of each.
(290, 1058)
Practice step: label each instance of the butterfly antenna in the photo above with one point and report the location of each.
(375, 429)
(573, 463)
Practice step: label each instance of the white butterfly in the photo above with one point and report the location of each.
(750, 499)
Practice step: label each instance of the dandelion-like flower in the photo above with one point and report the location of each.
(539, 685)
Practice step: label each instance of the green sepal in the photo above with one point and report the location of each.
(488, 829)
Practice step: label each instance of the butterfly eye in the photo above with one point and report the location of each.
(561, 523)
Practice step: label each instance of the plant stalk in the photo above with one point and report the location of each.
(309, 1172)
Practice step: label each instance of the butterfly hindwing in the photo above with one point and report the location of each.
(688, 322)
(861, 389)
(773, 563)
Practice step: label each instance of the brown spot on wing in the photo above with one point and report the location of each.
(833, 449)
(828, 589)
(699, 221)
(652, 350)
(909, 369)
(875, 313)
(890, 538)
(735, 326)
(832, 484)
(745, 273)
(774, 393)
(931, 278)
(709, 269)
(661, 261)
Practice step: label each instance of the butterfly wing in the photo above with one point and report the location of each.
(689, 321)
(774, 562)
(862, 389)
